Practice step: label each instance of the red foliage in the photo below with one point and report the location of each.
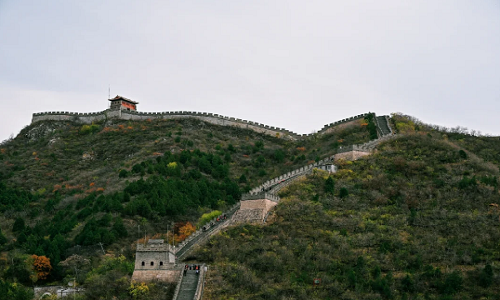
(42, 266)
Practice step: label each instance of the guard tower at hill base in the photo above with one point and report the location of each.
(155, 261)
(123, 103)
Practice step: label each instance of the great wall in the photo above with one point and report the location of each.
(156, 261)
(110, 114)
(256, 206)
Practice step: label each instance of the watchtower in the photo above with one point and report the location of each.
(154, 261)
(123, 103)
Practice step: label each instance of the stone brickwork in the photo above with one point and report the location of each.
(154, 261)
(169, 276)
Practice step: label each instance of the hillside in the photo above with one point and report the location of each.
(417, 220)
(402, 223)
(69, 188)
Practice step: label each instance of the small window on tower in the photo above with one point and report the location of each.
(161, 263)
(152, 263)
(143, 263)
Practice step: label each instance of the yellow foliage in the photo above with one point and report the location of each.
(172, 165)
(344, 173)
(405, 127)
(184, 232)
(137, 290)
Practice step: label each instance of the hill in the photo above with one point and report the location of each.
(68, 188)
(417, 220)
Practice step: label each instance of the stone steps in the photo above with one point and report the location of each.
(383, 126)
(188, 287)
(203, 236)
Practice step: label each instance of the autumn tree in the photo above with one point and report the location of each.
(184, 232)
(42, 266)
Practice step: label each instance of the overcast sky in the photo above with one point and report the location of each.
(292, 64)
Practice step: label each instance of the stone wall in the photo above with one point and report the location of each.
(155, 255)
(88, 118)
(58, 291)
(351, 155)
(282, 178)
(253, 211)
(160, 259)
(170, 276)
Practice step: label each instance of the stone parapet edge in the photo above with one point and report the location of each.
(160, 115)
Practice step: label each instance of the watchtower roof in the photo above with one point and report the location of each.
(154, 241)
(118, 97)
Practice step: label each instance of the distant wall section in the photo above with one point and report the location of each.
(88, 118)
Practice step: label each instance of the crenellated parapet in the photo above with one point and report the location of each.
(267, 185)
(216, 119)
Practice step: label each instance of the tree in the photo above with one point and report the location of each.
(343, 192)
(76, 263)
(462, 154)
(14, 291)
(138, 290)
(243, 179)
(279, 155)
(184, 232)
(329, 185)
(42, 266)
(18, 225)
(119, 228)
(486, 276)
(3, 239)
(21, 268)
(123, 174)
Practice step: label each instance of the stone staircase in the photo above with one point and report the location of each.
(383, 125)
(188, 286)
(200, 235)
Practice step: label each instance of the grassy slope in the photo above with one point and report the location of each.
(416, 225)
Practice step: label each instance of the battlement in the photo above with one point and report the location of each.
(126, 114)
(154, 245)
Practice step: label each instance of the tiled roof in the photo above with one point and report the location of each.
(118, 97)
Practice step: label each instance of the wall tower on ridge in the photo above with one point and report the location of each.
(123, 103)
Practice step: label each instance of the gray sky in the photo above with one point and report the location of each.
(292, 64)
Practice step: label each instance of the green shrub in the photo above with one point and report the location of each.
(123, 174)
(89, 129)
(486, 276)
(329, 185)
(205, 218)
(462, 154)
(18, 225)
(343, 192)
